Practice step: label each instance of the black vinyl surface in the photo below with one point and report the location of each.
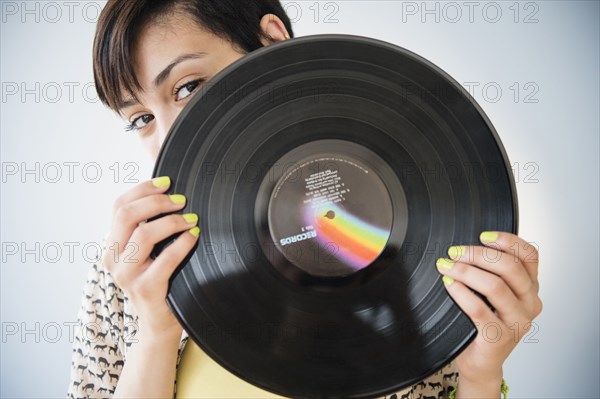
(438, 177)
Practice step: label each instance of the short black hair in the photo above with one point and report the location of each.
(121, 21)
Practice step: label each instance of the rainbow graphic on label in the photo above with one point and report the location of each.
(345, 236)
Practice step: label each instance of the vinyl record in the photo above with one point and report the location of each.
(329, 172)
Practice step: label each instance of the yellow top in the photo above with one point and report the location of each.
(199, 376)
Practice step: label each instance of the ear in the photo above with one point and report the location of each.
(272, 29)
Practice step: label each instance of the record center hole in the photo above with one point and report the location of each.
(330, 214)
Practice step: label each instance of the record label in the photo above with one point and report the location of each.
(330, 214)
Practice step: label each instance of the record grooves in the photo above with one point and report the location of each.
(329, 173)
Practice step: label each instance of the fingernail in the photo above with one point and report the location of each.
(195, 231)
(488, 237)
(177, 199)
(444, 263)
(447, 280)
(190, 217)
(456, 251)
(161, 182)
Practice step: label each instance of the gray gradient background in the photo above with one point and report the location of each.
(558, 135)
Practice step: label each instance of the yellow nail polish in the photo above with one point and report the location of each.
(444, 263)
(456, 251)
(195, 231)
(190, 217)
(447, 280)
(488, 237)
(161, 182)
(177, 199)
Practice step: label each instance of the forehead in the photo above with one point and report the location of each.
(162, 41)
(159, 43)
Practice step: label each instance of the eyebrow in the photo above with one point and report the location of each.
(164, 74)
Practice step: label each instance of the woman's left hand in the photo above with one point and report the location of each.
(505, 271)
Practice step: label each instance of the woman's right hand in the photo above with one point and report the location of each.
(129, 245)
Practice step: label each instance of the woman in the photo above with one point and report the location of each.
(150, 57)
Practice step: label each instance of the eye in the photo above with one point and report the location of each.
(186, 89)
(140, 122)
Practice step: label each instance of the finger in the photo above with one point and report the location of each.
(155, 186)
(148, 234)
(171, 257)
(117, 240)
(493, 287)
(508, 267)
(526, 252)
(471, 304)
(129, 216)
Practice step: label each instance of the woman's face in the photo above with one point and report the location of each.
(172, 60)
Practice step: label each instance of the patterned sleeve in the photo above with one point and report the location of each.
(97, 358)
(182, 343)
(436, 386)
